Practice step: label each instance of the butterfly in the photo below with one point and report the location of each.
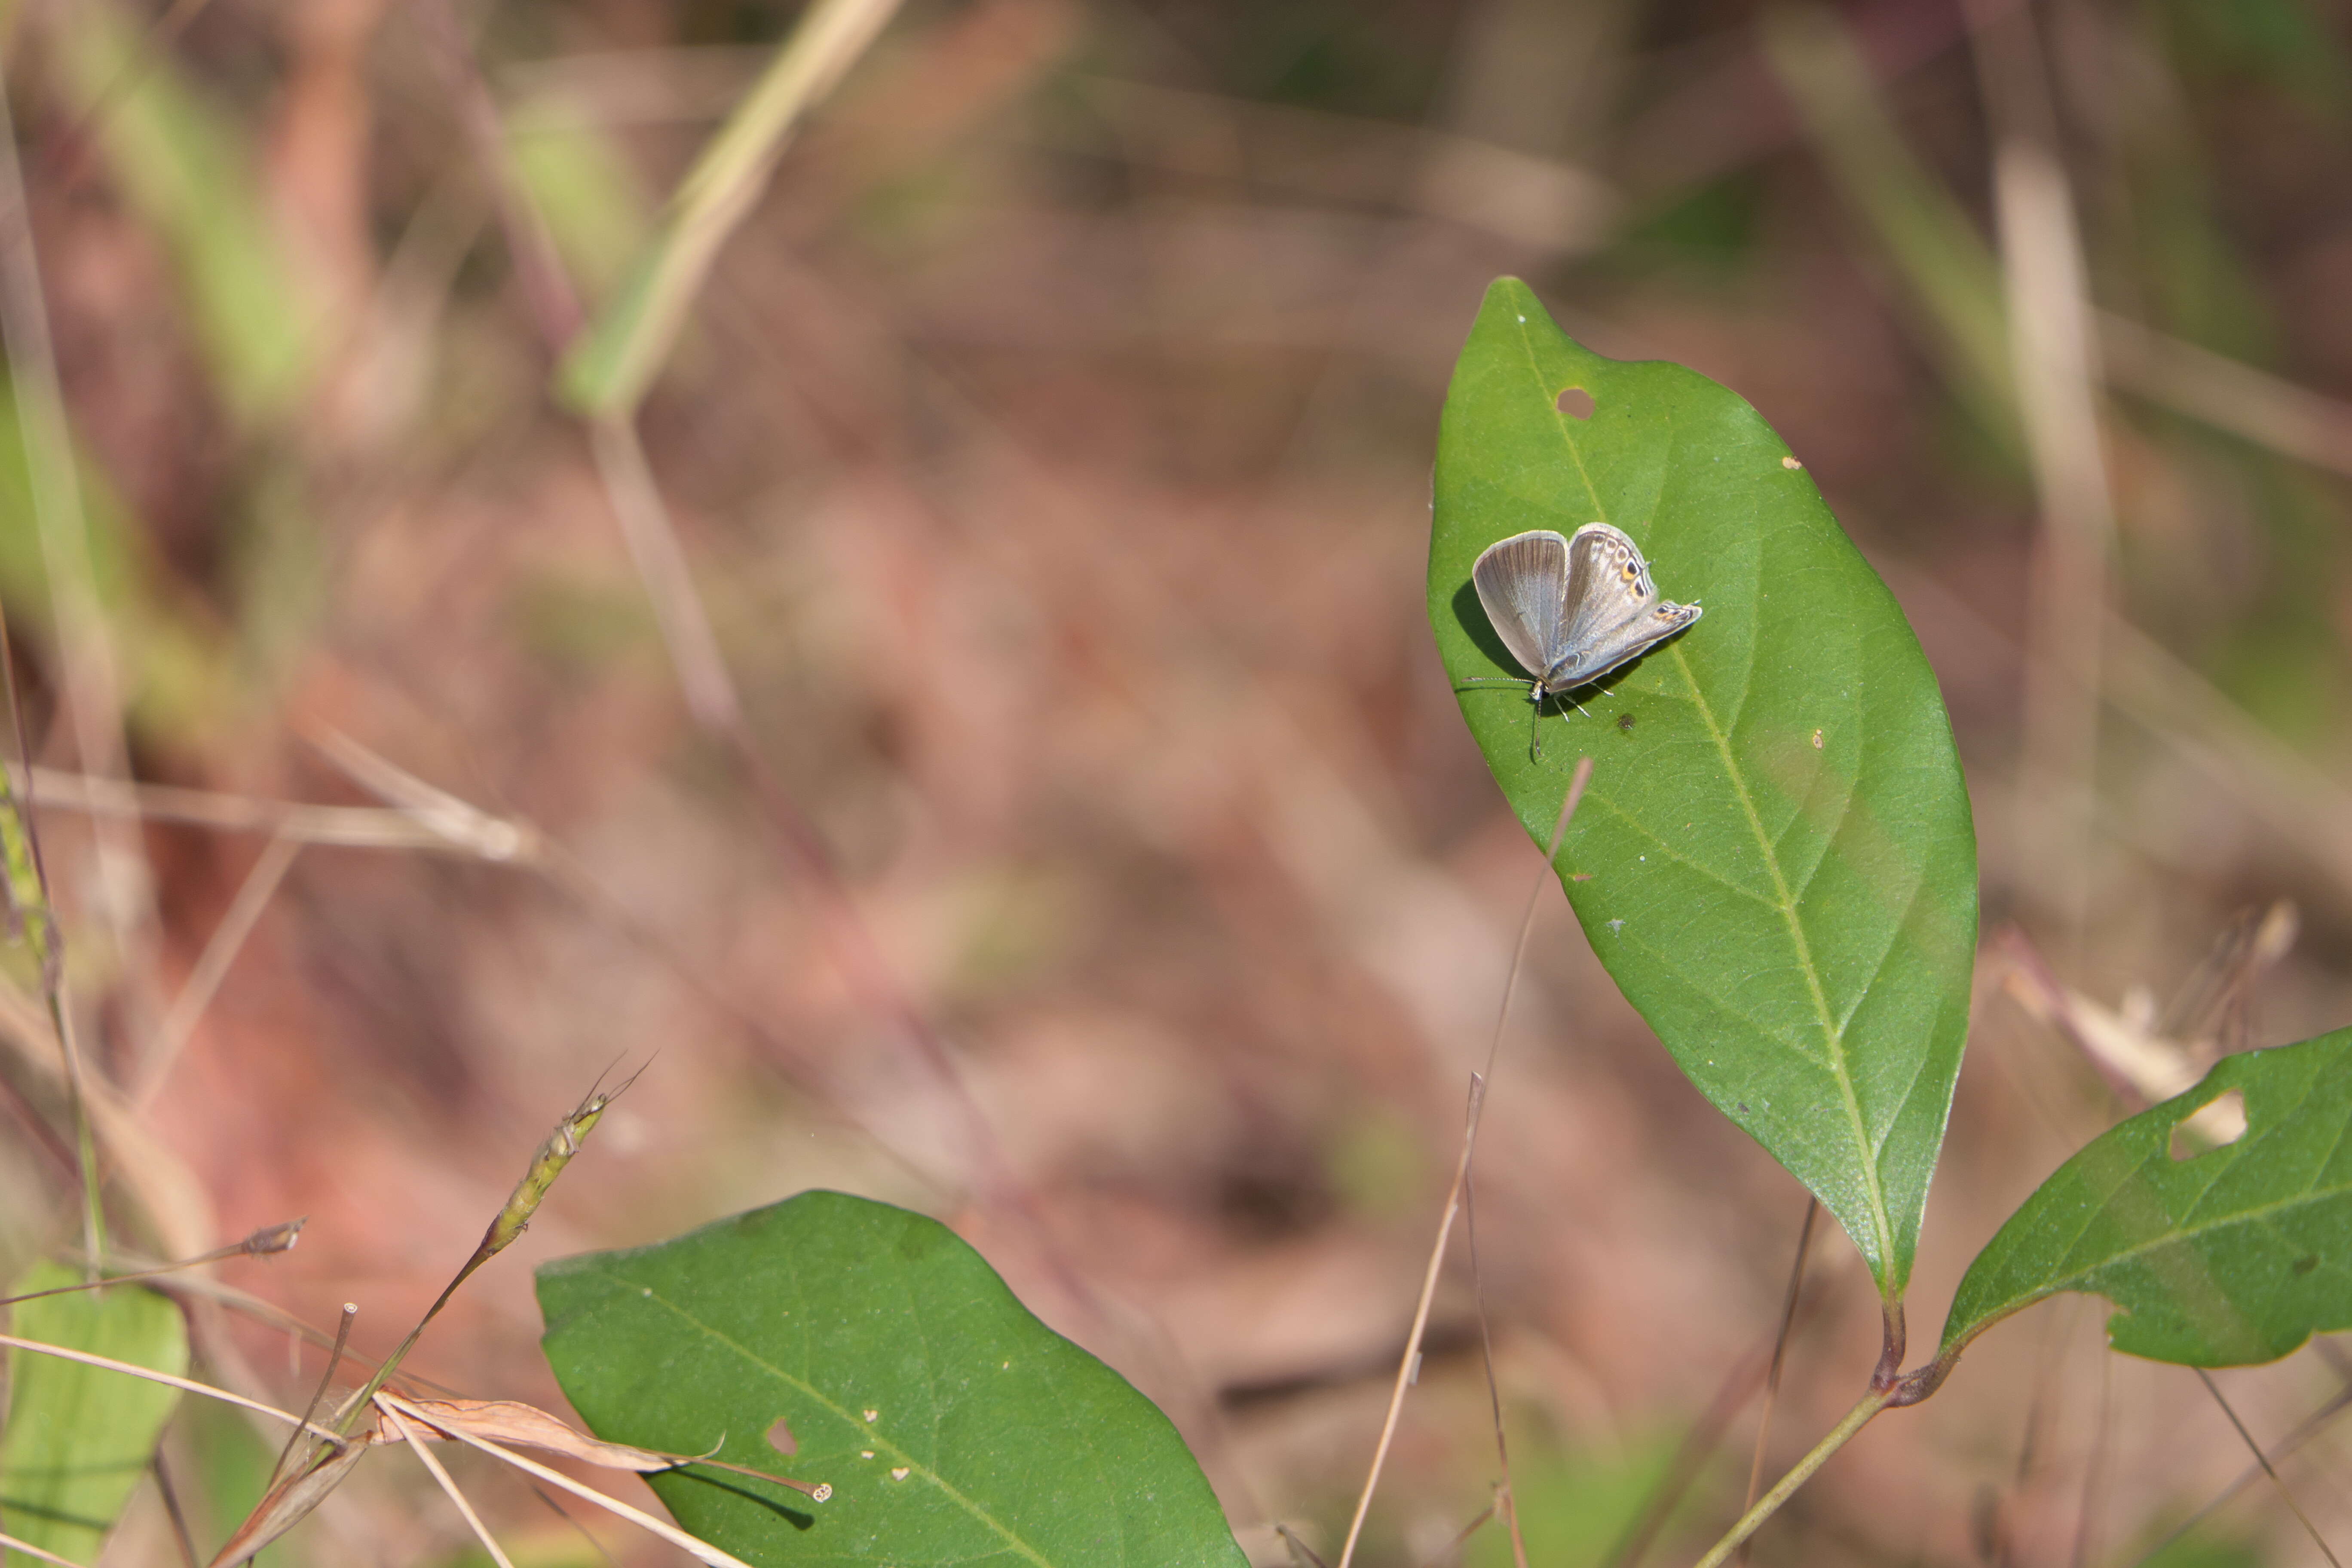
(1571, 610)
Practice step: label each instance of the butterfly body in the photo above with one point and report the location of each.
(1571, 609)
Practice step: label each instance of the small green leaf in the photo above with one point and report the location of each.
(2230, 1257)
(953, 1426)
(80, 1438)
(1775, 861)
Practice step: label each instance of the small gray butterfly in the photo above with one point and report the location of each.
(1571, 610)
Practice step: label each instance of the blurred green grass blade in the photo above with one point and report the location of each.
(954, 1427)
(617, 357)
(1935, 247)
(584, 190)
(185, 166)
(176, 668)
(80, 1438)
(1776, 861)
(2235, 1256)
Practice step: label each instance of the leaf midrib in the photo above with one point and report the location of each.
(1010, 1539)
(2073, 1279)
(1833, 1037)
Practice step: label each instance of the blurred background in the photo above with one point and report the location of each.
(971, 730)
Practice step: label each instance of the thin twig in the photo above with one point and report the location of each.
(1780, 1355)
(1410, 1362)
(171, 1509)
(2263, 1460)
(2094, 1469)
(2311, 1426)
(1506, 1497)
(1452, 1551)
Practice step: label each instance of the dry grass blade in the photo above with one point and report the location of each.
(2053, 368)
(184, 1385)
(349, 827)
(2140, 1065)
(457, 821)
(511, 1421)
(2226, 395)
(252, 896)
(415, 1439)
(704, 1551)
(293, 1499)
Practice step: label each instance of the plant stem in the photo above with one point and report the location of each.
(1855, 1420)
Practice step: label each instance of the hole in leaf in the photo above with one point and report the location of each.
(1576, 403)
(2216, 1124)
(780, 1439)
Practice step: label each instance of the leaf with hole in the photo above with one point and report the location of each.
(80, 1438)
(892, 1362)
(2221, 1257)
(1777, 863)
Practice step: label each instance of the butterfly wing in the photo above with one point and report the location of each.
(1613, 613)
(1523, 581)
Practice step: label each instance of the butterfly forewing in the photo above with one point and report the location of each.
(1523, 583)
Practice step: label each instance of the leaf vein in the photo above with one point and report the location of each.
(1832, 1036)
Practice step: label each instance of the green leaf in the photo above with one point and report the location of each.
(953, 1426)
(80, 1438)
(2233, 1256)
(1775, 861)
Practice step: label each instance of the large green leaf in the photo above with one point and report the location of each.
(953, 1426)
(80, 1438)
(2233, 1256)
(1775, 859)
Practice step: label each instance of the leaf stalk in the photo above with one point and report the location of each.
(1871, 1404)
